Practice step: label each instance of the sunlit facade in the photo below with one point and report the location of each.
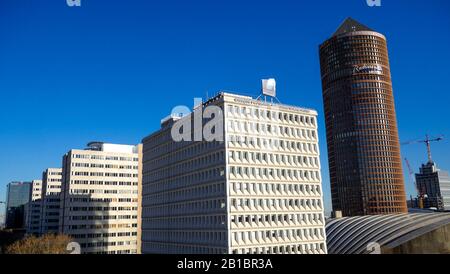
(257, 190)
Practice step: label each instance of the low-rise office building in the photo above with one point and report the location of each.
(99, 198)
(33, 208)
(50, 205)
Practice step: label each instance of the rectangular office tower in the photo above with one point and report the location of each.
(33, 208)
(433, 185)
(18, 196)
(235, 176)
(99, 198)
(50, 203)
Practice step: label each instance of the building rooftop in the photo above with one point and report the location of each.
(245, 98)
(352, 235)
(351, 25)
(107, 147)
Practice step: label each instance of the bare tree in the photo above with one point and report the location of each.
(46, 244)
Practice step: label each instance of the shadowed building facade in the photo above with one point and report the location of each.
(99, 198)
(362, 136)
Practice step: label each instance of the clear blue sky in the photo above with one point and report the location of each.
(110, 70)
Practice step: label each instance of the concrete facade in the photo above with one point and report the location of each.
(33, 208)
(434, 242)
(434, 185)
(258, 190)
(50, 206)
(99, 198)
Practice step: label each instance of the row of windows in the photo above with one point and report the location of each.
(113, 252)
(384, 80)
(111, 166)
(186, 237)
(107, 158)
(161, 248)
(104, 174)
(177, 150)
(275, 189)
(239, 204)
(273, 158)
(102, 217)
(185, 166)
(157, 181)
(272, 144)
(54, 173)
(277, 219)
(258, 113)
(101, 183)
(185, 222)
(100, 226)
(104, 208)
(102, 191)
(267, 129)
(313, 248)
(192, 193)
(274, 173)
(102, 200)
(183, 208)
(103, 235)
(107, 244)
(278, 235)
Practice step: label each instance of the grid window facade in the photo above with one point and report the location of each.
(362, 135)
(256, 191)
(99, 200)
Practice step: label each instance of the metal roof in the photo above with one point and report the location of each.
(352, 235)
(351, 25)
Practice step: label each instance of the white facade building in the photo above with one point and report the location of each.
(50, 206)
(33, 208)
(256, 190)
(99, 198)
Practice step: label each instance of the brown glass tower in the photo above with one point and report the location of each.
(363, 146)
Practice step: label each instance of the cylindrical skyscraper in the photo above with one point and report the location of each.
(363, 145)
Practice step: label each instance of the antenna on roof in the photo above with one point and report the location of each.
(269, 89)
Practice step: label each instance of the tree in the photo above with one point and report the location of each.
(46, 244)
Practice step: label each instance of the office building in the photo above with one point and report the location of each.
(33, 208)
(18, 195)
(362, 135)
(253, 188)
(99, 198)
(433, 185)
(2, 215)
(51, 190)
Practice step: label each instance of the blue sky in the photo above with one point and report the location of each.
(110, 70)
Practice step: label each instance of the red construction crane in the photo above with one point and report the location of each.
(427, 142)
